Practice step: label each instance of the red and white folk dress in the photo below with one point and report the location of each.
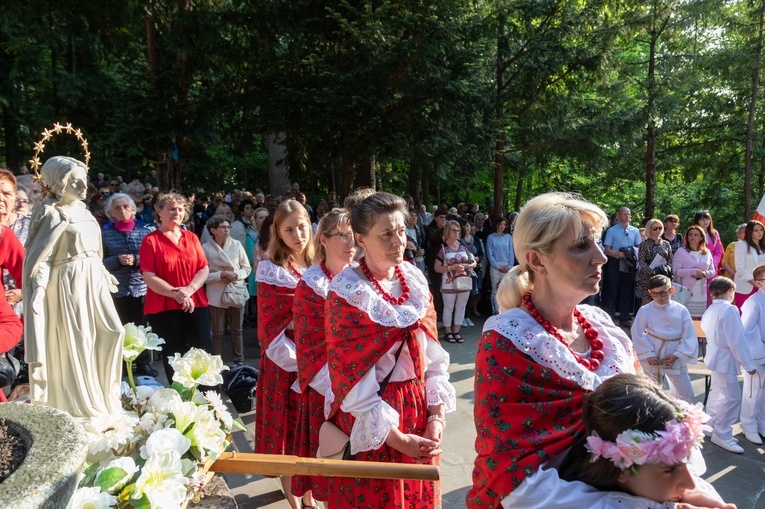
(313, 374)
(364, 332)
(277, 405)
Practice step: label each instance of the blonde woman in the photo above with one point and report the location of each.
(654, 257)
(277, 404)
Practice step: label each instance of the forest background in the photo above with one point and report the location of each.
(651, 104)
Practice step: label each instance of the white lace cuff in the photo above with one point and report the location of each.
(372, 427)
(283, 353)
(440, 392)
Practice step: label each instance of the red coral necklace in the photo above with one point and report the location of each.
(294, 270)
(596, 344)
(385, 295)
(325, 270)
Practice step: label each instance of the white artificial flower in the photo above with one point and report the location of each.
(91, 498)
(162, 481)
(140, 396)
(152, 421)
(199, 425)
(110, 432)
(221, 412)
(164, 400)
(197, 367)
(137, 339)
(127, 464)
(165, 439)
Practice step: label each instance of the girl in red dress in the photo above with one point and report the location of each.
(277, 404)
(335, 249)
(373, 311)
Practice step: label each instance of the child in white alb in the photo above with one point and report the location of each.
(665, 340)
(753, 401)
(727, 351)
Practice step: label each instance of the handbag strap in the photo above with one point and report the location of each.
(384, 383)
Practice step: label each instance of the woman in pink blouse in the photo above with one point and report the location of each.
(693, 266)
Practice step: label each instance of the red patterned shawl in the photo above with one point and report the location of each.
(276, 291)
(309, 333)
(355, 342)
(524, 415)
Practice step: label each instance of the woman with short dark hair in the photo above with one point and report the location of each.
(381, 323)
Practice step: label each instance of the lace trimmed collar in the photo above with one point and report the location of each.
(272, 274)
(362, 295)
(316, 280)
(533, 340)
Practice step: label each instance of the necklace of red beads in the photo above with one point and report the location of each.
(596, 344)
(385, 295)
(294, 270)
(325, 270)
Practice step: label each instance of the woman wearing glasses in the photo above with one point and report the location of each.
(654, 257)
(671, 224)
(748, 254)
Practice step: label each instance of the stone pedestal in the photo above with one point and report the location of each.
(57, 447)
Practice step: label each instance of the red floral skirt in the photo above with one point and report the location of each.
(408, 399)
(277, 408)
(307, 442)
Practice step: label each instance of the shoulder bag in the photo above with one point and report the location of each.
(334, 443)
(235, 294)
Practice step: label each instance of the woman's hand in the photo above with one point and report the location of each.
(422, 449)
(698, 500)
(188, 305)
(435, 431)
(126, 259)
(13, 296)
(182, 293)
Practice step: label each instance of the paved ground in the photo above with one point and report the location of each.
(740, 479)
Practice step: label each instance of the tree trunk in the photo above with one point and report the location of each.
(366, 172)
(415, 181)
(278, 182)
(499, 150)
(751, 119)
(426, 190)
(650, 149)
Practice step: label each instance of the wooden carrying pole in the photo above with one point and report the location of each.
(272, 464)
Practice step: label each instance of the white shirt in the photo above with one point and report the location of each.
(727, 346)
(753, 318)
(671, 323)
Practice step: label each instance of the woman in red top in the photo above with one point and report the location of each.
(334, 251)
(277, 403)
(11, 257)
(175, 269)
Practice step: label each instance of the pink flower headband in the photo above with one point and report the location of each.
(671, 446)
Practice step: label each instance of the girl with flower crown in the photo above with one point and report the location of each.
(390, 382)
(639, 441)
(539, 357)
(277, 404)
(335, 250)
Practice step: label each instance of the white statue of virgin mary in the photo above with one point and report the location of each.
(73, 335)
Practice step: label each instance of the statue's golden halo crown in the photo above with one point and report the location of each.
(40, 147)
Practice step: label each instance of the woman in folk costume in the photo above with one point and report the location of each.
(540, 356)
(277, 404)
(381, 323)
(335, 249)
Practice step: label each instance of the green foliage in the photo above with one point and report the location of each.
(412, 85)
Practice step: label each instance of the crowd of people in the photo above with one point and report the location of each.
(348, 299)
